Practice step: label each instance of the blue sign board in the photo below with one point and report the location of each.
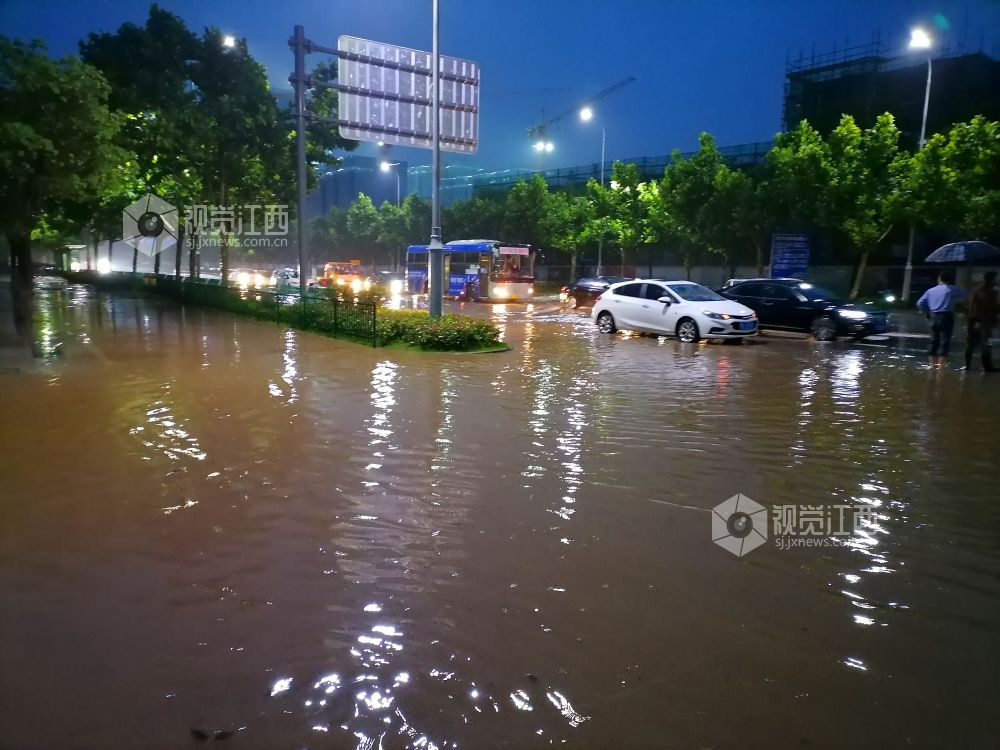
(789, 256)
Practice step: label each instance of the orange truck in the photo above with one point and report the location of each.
(344, 273)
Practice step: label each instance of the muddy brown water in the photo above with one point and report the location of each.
(215, 524)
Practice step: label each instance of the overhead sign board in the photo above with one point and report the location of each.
(789, 256)
(385, 95)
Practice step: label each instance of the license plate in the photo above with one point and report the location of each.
(743, 326)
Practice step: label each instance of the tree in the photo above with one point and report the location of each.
(242, 138)
(524, 212)
(865, 168)
(620, 210)
(565, 226)
(478, 218)
(392, 231)
(971, 196)
(46, 167)
(363, 222)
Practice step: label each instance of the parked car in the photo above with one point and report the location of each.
(586, 290)
(797, 305)
(682, 308)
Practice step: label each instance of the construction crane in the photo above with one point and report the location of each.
(538, 131)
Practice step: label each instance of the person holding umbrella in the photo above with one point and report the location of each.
(982, 321)
(938, 303)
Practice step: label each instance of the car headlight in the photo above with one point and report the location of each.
(243, 278)
(396, 287)
(103, 266)
(852, 314)
(356, 286)
(368, 284)
(74, 266)
(715, 315)
(531, 290)
(501, 292)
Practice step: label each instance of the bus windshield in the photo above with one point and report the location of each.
(508, 266)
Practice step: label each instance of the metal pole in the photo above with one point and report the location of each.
(300, 136)
(908, 269)
(600, 242)
(398, 201)
(435, 301)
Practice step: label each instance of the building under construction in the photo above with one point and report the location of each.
(865, 82)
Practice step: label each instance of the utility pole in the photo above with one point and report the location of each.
(435, 301)
(299, 46)
(908, 269)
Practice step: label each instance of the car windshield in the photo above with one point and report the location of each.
(815, 293)
(695, 293)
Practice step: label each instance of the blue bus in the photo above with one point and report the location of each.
(484, 270)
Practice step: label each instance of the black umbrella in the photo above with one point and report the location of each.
(962, 252)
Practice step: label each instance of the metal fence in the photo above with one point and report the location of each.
(318, 310)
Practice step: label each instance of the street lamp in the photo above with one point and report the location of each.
(586, 115)
(228, 41)
(385, 166)
(919, 40)
(546, 146)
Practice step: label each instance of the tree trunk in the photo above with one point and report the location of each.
(95, 256)
(135, 259)
(621, 270)
(179, 252)
(20, 275)
(192, 257)
(224, 247)
(759, 246)
(111, 245)
(859, 274)
(649, 261)
(572, 266)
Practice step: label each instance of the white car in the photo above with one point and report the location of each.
(668, 308)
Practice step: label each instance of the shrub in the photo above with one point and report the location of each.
(448, 333)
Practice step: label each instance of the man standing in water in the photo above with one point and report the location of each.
(982, 321)
(938, 303)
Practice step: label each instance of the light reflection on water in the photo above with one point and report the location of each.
(431, 551)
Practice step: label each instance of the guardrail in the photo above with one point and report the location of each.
(320, 310)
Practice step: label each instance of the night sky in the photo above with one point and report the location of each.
(715, 66)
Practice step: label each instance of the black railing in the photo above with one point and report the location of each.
(319, 310)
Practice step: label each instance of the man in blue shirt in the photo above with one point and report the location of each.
(937, 303)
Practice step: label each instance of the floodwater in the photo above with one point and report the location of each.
(211, 524)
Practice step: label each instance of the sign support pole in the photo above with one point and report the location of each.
(299, 44)
(435, 300)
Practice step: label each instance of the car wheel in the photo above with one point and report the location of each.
(606, 323)
(687, 331)
(571, 302)
(824, 329)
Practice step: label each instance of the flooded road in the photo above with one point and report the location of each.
(218, 527)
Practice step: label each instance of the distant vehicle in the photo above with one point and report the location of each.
(49, 283)
(246, 278)
(672, 308)
(391, 283)
(733, 282)
(285, 277)
(485, 270)
(586, 290)
(797, 305)
(344, 273)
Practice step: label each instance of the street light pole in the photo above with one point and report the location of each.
(300, 144)
(435, 301)
(919, 40)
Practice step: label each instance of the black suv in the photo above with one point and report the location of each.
(585, 291)
(796, 305)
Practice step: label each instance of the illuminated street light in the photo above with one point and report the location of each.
(229, 41)
(386, 166)
(919, 39)
(546, 146)
(586, 114)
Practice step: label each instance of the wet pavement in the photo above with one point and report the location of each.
(212, 524)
